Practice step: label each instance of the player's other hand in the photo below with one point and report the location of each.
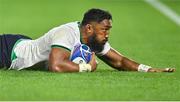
(161, 70)
(93, 62)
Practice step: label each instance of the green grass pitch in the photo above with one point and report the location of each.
(139, 31)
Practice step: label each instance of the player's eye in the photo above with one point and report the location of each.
(103, 28)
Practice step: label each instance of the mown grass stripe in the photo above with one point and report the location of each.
(165, 10)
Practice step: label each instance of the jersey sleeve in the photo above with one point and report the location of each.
(63, 37)
(107, 47)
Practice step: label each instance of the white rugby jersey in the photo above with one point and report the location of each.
(30, 52)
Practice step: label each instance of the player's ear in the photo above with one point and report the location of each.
(89, 28)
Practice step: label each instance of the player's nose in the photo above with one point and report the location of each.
(107, 35)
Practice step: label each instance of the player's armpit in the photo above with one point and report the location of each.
(59, 61)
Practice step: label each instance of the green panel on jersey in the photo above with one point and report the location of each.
(13, 54)
(59, 46)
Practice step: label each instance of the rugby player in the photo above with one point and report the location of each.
(20, 52)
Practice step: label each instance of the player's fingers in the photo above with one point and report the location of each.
(169, 70)
(93, 62)
(92, 58)
(161, 70)
(93, 55)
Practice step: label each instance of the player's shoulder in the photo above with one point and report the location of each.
(75, 23)
(70, 25)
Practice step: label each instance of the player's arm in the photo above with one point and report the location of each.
(120, 62)
(59, 62)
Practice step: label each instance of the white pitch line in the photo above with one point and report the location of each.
(165, 10)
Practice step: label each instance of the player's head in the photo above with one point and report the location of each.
(97, 24)
(95, 15)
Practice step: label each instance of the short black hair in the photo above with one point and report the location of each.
(95, 15)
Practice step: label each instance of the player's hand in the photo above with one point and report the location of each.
(93, 62)
(161, 70)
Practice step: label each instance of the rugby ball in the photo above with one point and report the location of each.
(81, 53)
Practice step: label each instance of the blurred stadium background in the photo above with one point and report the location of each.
(140, 31)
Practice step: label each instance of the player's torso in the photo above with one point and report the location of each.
(30, 52)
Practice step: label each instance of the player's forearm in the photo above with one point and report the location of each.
(118, 61)
(128, 64)
(68, 66)
(65, 66)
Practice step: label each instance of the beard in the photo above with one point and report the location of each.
(95, 45)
